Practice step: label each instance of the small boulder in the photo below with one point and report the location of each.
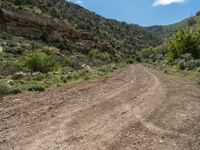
(20, 75)
(10, 82)
(37, 75)
(18, 44)
(86, 67)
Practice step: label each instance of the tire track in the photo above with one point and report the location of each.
(113, 114)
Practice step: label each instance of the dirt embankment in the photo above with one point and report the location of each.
(138, 108)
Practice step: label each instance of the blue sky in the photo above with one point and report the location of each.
(143, 12)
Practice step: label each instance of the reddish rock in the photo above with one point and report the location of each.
(26, 24)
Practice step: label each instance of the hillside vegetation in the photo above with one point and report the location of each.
(180, 53)
(164, 32)
(44, 43)
(120, 36)
(47, 43)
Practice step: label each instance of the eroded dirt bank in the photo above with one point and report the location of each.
(137, 109)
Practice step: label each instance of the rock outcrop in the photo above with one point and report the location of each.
(26, 24)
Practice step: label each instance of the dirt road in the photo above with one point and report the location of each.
(136, 109)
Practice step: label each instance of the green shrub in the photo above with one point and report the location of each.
(185, 41)
(23, 2)
(15, 50)
(118, 57)
(192, 64)
(75, 75)
(96, 54)
(75, 64)
(130, 60)
(198, 69)
(5, 36)
(4, 89)
(45, 35)
(145, 53)
(15, 90)
(10, 67)
(87, 76)
(40, 63)
(36, 87)
(105, 70)
(64, 79)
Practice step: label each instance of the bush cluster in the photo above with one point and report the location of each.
(185, 41)
(40, 62)
(96, 54)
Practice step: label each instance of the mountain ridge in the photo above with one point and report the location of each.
(120, 35)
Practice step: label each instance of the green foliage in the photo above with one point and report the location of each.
(185, 41)
(4, 89)
(96, 54)
(166, 31)
(122, 36)
(146, 53)
(23, 2)
(8, 67)
(45, 35)
(198, 69)
(191, 21)
(40, 62)
(192, 64)
(5, 36)
(130, 60)
(198, 13)
(36, 87)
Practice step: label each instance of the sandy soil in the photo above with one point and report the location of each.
(136, 109)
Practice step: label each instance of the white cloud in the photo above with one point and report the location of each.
(79, 2)
(166, 2)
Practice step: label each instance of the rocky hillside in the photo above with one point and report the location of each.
(22, 23)
(46, 43)
(64, 20)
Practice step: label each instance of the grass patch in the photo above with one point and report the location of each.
(191, 75)
(56, 78)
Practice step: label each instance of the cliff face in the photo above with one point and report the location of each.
(22, 23)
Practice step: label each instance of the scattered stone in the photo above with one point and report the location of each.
(36, 74)
(10, 82)
(18, 44)
(19, 75)
(164, 63)
(86, 67)
(86, 45)
(4, 44)
(161, 141)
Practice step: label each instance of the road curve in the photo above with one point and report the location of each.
(136, 109)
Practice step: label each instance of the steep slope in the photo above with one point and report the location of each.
(163, 32)
(114, 35)
(21, 23)
(46, 43)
